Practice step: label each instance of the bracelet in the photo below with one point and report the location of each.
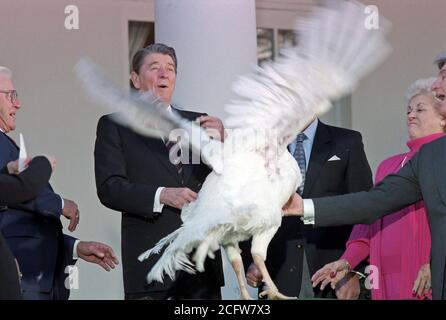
(359, 274)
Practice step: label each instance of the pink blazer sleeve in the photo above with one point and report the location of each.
(358, 245)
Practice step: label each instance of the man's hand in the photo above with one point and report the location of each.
(294, 206)
(177, 197)
(213, 127)
(331, 273)
(13, 166)
(71, 212)
(422, 284)
(254, 276)
(348, 288)
(99, 253)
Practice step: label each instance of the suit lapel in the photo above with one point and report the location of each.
(11, 154)
(10, 139)
(319, 155)
(159, 150)
(439, 158)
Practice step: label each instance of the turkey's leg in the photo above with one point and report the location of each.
(259, 248)
(272, 292)
(233, 253)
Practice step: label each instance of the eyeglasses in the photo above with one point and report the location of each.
(12, 95)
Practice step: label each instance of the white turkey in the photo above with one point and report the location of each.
(253, 173)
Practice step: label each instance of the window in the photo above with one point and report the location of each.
(269, 43)
(286, 38)
(141, 34)
(265, 44)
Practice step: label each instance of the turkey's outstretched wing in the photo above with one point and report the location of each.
(144, 113)
(336, 49)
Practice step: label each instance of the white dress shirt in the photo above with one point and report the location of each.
(308, 207)
(310, 133)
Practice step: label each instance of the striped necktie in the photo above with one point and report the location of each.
(299, 155)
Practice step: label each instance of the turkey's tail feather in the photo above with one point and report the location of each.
(171, 260)
(161, 244)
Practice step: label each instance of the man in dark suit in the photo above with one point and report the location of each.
(32, 229)
(135, 176)
(335, 163)
(423, 177)
(16, 188)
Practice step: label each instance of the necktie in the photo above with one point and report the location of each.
(175, 154)
(299, 155)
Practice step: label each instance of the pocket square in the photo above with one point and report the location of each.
(334, 158)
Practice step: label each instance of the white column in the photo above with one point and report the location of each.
(215, 41)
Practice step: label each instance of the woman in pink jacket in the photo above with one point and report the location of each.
(397, 245)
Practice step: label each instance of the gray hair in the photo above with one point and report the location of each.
(440, 59)
(5, 72)
(138, 58)
(421, 86)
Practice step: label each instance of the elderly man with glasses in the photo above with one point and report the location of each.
(32, 229)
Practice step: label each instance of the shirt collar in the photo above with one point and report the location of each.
(310, 131)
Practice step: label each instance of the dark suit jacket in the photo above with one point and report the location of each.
(15, 189)
(26, 185)
(33, 232)
(129, 168)
(323, 178)
(424, 176)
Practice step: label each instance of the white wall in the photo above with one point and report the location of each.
(55, 119)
